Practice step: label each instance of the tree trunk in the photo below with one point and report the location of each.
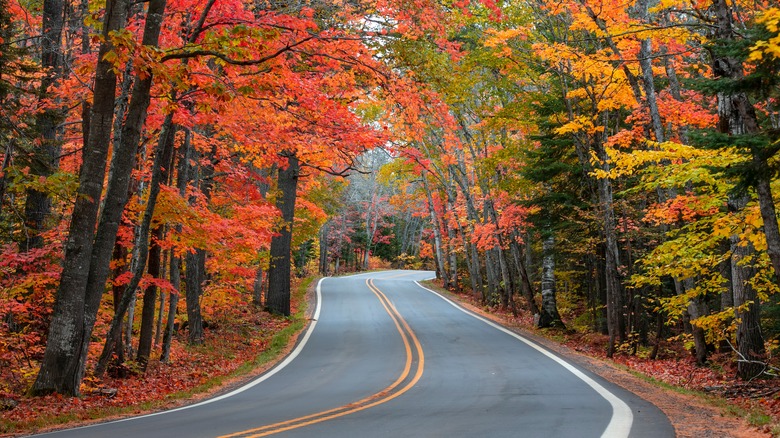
(155, 255)
(614, 304)
(122, 163)
(194, 276)
(277, 298)
(141, 249)
(549, 316)
(161, 309)
(149, 302)
(696, 309)
(173, 303)
(645, 63)
(324, 249)
(195, 266)
(61, 369)
(737, 116)
(453, 256)
(120, 267)
(750, 341)
(182, 178)
(45, 159)
(441, 272)
(7, 156)
(525, 283)
(491, 296)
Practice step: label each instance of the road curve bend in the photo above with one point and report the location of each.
(386, 357)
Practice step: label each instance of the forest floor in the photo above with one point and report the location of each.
(700, 402)
(235, 352)
(241, 346)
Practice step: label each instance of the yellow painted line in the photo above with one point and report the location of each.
(380, 397)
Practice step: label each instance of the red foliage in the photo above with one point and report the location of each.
(233, 342)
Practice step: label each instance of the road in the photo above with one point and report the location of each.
(385, 357)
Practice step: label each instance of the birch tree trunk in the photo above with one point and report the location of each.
(549, 316)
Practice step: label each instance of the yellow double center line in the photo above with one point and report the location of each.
(413, 370)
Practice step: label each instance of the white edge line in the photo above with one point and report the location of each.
(622, 417)
(249, 385)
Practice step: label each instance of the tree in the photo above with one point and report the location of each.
(62, 366)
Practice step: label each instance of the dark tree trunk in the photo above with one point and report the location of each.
(491, 296)
(175, 270)
(173, 302)
(737, 116)
(7, 156)
(195, 277)
(195, 262)
(150, 301)
(441, 272)
(614, 303)
(141, 249)
(525, 284)
(155, 263)
(61, 369)
(277, 298)
(158, 324)
(324, 250)
(44, 160)
(122, 162)
(750, 342)
(120, 267)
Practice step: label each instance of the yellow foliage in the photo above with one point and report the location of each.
(771, 47)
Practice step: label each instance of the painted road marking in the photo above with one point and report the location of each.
(622, 418)
(387, 394)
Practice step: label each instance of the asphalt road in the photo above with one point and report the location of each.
(385, 357)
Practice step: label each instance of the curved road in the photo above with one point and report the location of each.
(385, 357)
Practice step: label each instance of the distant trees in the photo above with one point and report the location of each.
(638, 139)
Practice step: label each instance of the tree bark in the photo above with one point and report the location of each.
(750, 341)
(525, 284)
(549, 316)
(122, 163)
(61, 369)
(453, 256)
(195, 262)
(277, 298)
(696, 309)
(45, 159)
(195, 277)
(441, 272)
(155, 259)
(737, 116)
(182, 178)
(141, 249)
(614, 304)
